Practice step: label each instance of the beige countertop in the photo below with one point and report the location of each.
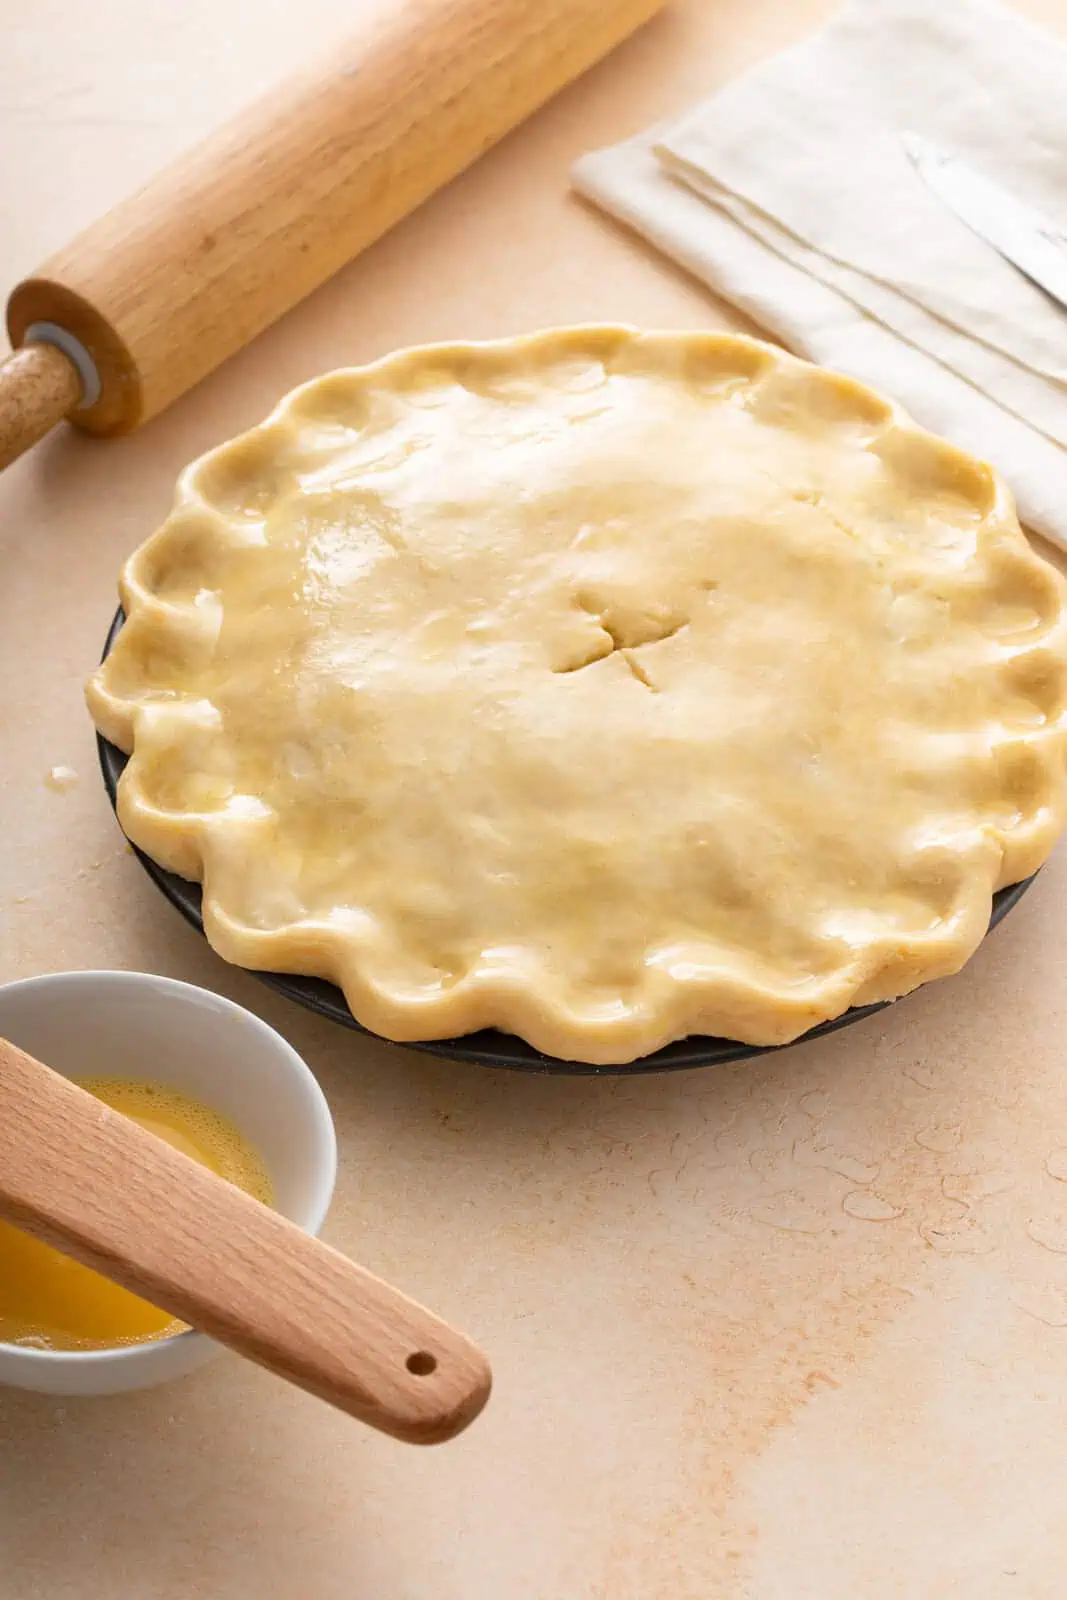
(791, 1330)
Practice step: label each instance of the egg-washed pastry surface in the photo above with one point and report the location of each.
(598, 686)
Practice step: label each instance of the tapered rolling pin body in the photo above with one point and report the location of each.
(187, 271)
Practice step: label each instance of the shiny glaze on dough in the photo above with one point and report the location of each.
(602, 687)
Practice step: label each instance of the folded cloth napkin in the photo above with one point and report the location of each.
(791, 194)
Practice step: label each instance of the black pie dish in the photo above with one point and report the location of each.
(488, 1048)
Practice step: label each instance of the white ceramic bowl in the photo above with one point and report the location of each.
(134, 1025)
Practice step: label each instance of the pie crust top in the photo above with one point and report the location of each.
(599, 686)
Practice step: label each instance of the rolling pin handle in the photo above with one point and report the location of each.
(39, 384)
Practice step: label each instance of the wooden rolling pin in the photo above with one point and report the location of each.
(103, 1190)
(152, 298)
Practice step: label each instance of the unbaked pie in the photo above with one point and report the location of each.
(598, 686)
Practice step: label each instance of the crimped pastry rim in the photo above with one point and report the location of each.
(669, 1009)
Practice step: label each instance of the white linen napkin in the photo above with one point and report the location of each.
(790, 193)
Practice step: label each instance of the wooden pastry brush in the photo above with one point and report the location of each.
(121, 1201)
(152, 298)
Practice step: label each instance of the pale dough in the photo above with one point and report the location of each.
(598, 686)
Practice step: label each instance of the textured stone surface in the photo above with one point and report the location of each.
(787, 1331)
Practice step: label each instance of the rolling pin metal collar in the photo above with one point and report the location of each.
(51, 333)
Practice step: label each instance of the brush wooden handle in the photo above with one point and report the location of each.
(103, 1190)
(190, 269)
